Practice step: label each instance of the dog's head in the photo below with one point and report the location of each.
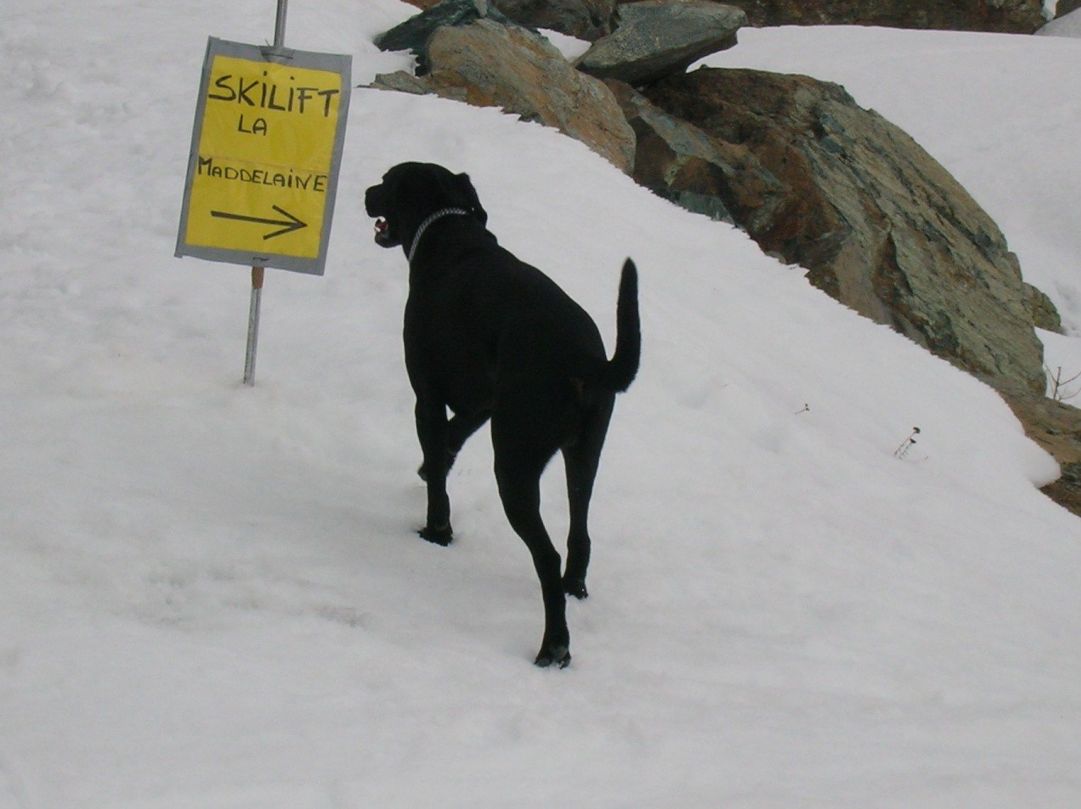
(409, 193)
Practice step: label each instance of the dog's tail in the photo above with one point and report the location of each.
(620, 371)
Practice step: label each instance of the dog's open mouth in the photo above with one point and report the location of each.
(382, 232)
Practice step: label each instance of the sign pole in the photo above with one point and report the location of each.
(262, 172)
(258, 273)
(279, 25)
(253, 324)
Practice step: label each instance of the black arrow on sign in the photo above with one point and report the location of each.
(287, 225)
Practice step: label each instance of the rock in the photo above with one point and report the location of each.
(414, 33)
(585, 19)
(1042, 310)
(878, 223)
(1055, 426)
(590, 19)
(491, 65)
(658, 37)
(680, 162)
(403, 82)
(1064, 7)
(1005, 16)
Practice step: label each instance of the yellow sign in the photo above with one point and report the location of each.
(265, 154)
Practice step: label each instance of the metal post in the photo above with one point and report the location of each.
(279, 25)
(258, 273)
(253, 324)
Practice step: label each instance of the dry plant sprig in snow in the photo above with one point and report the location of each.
(907, 444)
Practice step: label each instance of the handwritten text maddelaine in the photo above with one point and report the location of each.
(304, 181)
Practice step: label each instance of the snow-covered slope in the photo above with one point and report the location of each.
(1068, 25)
(212, 596)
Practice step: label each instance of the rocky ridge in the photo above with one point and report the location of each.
(1001, 16)
(812, 177)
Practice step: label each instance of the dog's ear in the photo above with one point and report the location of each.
(470, 193)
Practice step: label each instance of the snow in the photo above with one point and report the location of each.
(1068, 25)
(213, 596)
(570, 47)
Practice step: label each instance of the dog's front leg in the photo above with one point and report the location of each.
(431, 417)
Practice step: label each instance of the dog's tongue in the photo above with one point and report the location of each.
(380, 225)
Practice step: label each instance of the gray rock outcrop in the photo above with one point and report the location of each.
(1042, 310)
(658, 37)
(1004, 16)
(413, 34)
(878, 223)
(585, 19)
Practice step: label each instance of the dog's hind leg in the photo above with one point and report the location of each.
(581, 460)
(461, 426)
(519, 489)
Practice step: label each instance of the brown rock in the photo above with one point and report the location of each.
(681, 162)
(1006, 16)
(1055, 426)
(878, 223)
(490, 65)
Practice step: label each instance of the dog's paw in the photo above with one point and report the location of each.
(559, 656)
(437, 536)
(575, 587)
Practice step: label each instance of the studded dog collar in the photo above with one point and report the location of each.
(435, 217)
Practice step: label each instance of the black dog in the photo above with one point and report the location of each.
(491, 337)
